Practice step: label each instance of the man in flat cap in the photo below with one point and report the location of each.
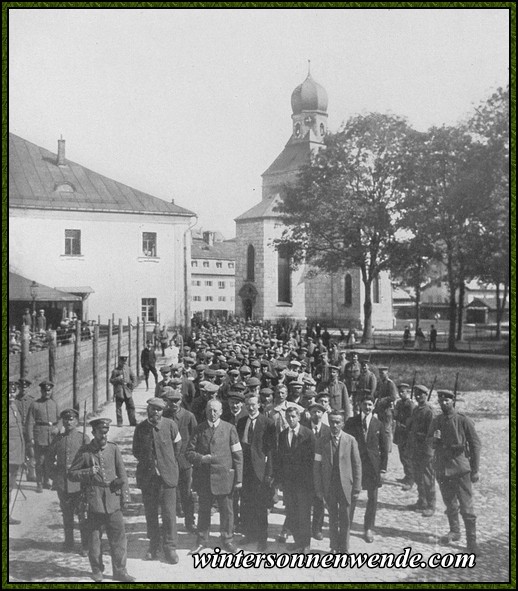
(42, 425)
(60, 456)
(457, 459)
(165, 382)
(98, 466)
(124, 382)
(23, 402)
(186, 422)
(208, 391)
(235, 409)
(156, 445)
(16, 443)
(422, 452)
(402, 413)
(215, 452)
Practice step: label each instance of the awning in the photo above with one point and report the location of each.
(83, 291)
(20, 290)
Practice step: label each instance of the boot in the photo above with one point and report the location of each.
(471, 535)
(454, 534)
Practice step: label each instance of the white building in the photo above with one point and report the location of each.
(127, 253)
(266, 287)
(213, 276)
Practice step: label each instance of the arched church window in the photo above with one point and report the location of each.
(250, 263)
(284, 277)
(376, 290)
(348, 292)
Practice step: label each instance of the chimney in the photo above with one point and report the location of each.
(208, 237)
(61, 152)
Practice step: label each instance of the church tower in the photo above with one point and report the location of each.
(266, 287)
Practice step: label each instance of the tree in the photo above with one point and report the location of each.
(342, 212)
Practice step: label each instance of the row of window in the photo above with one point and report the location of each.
(219, 264)
(208, 283)
(73, 243)
(211, 298)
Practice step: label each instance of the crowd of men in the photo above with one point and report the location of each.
(244, 414)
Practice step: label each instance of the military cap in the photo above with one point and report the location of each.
(334, 367)
(403, 385)
(165, 369)
(445, 394)
(383, 368)
(236, 395)
(68, 413)
(46, 384)
(253, 382)
(266, 391)
(420, 389)
(323, 393)
(294, 362)
(296, 384)
(123, 357)
(157, 402)
(363, 359)
(24, 382)
(101, 422)
(245, 369)
(317, 406)
(210, 388)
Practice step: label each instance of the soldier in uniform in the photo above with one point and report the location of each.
(100, 469)
(422, 452)
(402, 413)
(165, 382)
(16, 443)
(367, 380)
(42, 421)
(124, 382)
(338, 395)
(23, 403)
(187, 424)
(457, 459)
(148, 362)
(386, 396)
(60, 455)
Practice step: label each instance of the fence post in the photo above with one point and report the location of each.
(95, 369)
(53, 340)
(75, 370)
(108, 360)
(144, 332)
(129, 341)
(138, 348)
(119, 339)
(24, 353)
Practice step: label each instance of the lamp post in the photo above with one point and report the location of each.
(34, 295)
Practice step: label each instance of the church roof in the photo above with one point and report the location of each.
(309, 96)
(37, 182)
(291, 159)
(264, 209)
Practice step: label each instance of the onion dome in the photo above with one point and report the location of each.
(309, 96)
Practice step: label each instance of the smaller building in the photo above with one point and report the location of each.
(213, 272)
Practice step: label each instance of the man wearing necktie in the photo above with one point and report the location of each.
(372, 443)
(316, 412)
(257, 435)
(338, 479)
(293, 472)
(215, 452)
(157, 445)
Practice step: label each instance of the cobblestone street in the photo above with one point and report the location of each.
(34, 546)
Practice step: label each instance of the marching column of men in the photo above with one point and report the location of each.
(257, 416)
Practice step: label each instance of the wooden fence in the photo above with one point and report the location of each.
(81, 370)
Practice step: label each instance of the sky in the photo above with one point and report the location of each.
(194, 104)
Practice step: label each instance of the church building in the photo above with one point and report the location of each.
(266, 287)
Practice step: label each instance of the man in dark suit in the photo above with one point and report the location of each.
(215, 452)
(370, 435)
(100, 469)
(257, 434)
(338, 479)
(293, 473)
(124, 382)
(320, 430)
(148, 363)
(156, 445)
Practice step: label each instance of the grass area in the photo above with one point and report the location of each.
(474, 374)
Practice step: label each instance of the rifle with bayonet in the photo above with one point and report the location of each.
(455, 388)
(413, 385)
(431, 389)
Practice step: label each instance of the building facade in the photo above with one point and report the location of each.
(126, 252)
(213, 276)
(266, 287)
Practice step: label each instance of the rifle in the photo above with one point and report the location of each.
(431, 389)
(413, 385)
(455, 389)
(82, 506)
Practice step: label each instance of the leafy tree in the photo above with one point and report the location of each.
(343, 211)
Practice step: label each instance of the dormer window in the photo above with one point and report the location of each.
(64, 187)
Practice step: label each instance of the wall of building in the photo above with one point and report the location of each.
(112, 261)
(250, 232)
(201, 274)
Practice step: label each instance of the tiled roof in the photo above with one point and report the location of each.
(219, 250)
(292, 158)
(265, 209)
(37, 182)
